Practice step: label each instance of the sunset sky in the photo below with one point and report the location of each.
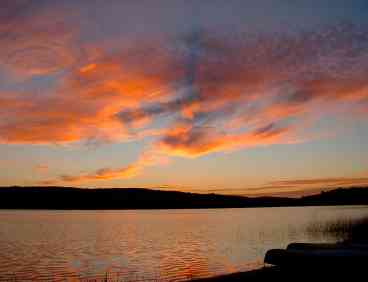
(234, 97)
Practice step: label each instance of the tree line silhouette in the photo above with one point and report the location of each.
(138, 198)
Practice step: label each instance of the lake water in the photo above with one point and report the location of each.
(162, 245)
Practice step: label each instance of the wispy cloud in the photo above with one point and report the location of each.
(148, 158)
(339, 181)
(295, 187)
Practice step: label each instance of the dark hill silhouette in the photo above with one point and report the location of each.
(137, 198)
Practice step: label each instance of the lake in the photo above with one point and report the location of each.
(151, 245)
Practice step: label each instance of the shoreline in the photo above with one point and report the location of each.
(302, 273)
(261, 274)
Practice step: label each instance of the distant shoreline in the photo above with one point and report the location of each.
(67, 198)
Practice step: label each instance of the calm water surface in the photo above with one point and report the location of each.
(164, 245)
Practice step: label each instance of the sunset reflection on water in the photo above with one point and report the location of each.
(162, 245)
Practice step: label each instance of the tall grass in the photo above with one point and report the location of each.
(343, 230)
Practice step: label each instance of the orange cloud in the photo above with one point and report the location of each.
(148, 158)
(201, 94)
(36, 44)
(84, 105)
(196, 141)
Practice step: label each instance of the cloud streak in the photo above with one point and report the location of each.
(148, 158)
(295, 187)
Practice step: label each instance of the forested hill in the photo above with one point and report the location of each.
(137, 198)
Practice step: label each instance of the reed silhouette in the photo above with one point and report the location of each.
(346, 230)
(335, 268)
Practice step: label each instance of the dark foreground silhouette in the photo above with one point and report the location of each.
(306, 265)
(305, 273)
(342, 261)
(305, 262)
(136, 198)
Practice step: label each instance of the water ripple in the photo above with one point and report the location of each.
(147, 245)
